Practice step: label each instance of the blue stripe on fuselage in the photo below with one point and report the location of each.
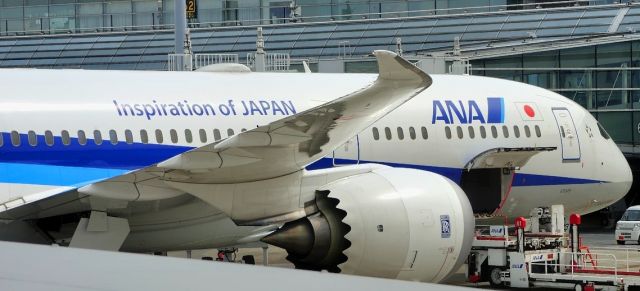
(521, 180)
(105, 156)
(76, 165)
(451, 173)
(54, 175)
(80, 176)
(455, 174)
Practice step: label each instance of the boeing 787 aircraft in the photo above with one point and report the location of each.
(376, 175)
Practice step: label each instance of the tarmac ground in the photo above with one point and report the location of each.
(598, 240)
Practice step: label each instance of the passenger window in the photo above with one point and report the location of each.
(128, 136)
(505, 131)
(15, 138)
(483, 132)
(48, 137)
(66, 140)
(447, 132)
(494, 131)
(174, 135)
(230, 132)
(82, 138)
(472, 133)
(113, 137)
(538, 132)
(203, 135)
(516, 131)
(144, 137)
(400, 133)
(97, 137)
(33, 138)
(187, 136)
(527, 131)
(387, 133)
(376, 134)
(459, 130)
(216, 135)
(412, 133)
(425, 134)
(159, 137)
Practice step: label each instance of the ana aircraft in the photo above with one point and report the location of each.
(359, 174)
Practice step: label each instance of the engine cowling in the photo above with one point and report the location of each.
(391, 223)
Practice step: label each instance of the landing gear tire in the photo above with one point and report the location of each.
(620, 242)
(494, 277)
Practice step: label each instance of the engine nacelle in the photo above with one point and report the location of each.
(391, 223)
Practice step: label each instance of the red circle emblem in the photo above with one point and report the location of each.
(529, 111)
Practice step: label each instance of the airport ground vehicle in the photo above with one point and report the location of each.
(540, 252)
(628, 227)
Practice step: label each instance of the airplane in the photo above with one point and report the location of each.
(376, 175)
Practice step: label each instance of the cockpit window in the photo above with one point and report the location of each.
(603, 132)
(631, 215)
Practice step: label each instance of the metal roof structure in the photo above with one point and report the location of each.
(148, 50)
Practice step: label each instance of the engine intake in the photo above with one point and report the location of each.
(391, 223)
(315, 242)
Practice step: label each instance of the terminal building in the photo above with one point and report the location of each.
(19, 17)
(588, 51)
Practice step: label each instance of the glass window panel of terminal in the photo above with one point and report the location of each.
(614, 99)
(617, 125)
(582, 57)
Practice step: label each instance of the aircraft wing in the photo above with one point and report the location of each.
(279, 148)
(289, 144)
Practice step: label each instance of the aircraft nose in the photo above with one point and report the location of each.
(627, 174)
(623, 175)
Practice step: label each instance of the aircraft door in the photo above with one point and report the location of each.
(568, 135)
(487, 178)
(348, 153)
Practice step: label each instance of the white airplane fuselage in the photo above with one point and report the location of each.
(52, 123)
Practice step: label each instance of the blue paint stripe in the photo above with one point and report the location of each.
(502, 110)
(522, 180)
(496, 110)
(54, 175)
(105, 156)
(75, 164)
(455, 174)
(80, 176)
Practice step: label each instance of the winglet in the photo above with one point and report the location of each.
(393, 67)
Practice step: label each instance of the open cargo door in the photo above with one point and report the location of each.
(487, 177)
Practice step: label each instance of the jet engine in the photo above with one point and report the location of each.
(392, 223)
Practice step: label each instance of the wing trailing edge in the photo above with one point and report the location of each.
(289, 144)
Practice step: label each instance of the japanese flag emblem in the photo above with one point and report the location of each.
(529, 111)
